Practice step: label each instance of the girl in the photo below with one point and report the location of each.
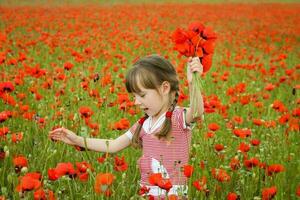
(164, 132)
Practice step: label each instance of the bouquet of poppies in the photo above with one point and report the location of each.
(196, 41)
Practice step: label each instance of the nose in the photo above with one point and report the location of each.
(137, 101)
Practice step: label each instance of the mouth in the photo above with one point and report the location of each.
(145, 109)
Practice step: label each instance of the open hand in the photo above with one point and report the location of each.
(64, 135)
(193, 66)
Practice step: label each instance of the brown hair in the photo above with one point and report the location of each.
(150, 72)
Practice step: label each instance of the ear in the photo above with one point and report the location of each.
(165, 88)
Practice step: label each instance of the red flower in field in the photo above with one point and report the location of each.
(123, 124)
(103, 183)
(232, 196)
(198, 41)
(296, 112)
(8, 99)
(6, 87)
(243, 147)
(219, 147)
(85, 112)
(16, 137)
(220, 175)
(209, 135)
(294, 124)
(242, 133)
(3, 116)
(52, 175)
(68, 65)
(65, 169)
(188, 170)
(234, 164)
(274, 169)
(250, 163)
(238, 119)
(298, 191)
(269, 193)
(83, 166)
(157, 180)
(279, 106)
(255, 142)
(3, 131)
(143, 190)
(20, 161)
(102, 158)
(41, 194)
(120, 164)
(284, 119)
(83, 177)
(213, 127)
(30, 181)
(200, 184)
(269, 87)
(258, 122)
(61, 170)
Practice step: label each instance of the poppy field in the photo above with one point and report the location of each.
(65, 66)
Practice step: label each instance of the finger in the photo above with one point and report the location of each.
(57, 130)
(195, 59)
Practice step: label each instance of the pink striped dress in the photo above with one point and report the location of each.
(164, 156)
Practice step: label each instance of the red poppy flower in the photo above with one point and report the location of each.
(269, 193)
(232, 196)
(255, 142)
(6, 87)
(3, 116)
(188, 170)
(242, 133)
(123, 124)
(213, 127)
(274, 169)
(220, 175)
(243, 147)
(198, 41)
(298, 191)
(16, 137)
(157, 180)
(258, 122)
(52, 175)
(144, 190)
(85, 112)
(234, 164)
(20, 161)
(3, 131)
(83, 166)
(120, 164)
(200, 184)
(103, 183)
(28, 182)
(219, 147)
(68, 65)
(65, 169)
(250, 163)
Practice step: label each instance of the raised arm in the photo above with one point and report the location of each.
(95, 144)
(196, 105)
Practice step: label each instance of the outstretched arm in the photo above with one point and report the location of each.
(101, 145)
(196, 105)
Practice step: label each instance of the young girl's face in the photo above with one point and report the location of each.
(152, 102)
